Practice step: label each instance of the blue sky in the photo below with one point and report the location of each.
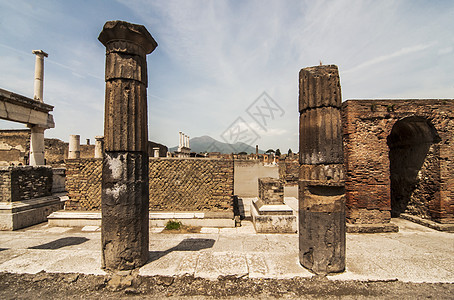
(216, 58)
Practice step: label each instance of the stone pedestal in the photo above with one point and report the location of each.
(321, 178)
(74, 146)
(269, 212)
(124, 233)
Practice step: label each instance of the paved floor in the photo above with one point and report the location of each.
(415, 254)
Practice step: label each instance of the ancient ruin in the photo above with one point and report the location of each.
(125, 164)
(321, 180)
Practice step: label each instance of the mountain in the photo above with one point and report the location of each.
(208, 144)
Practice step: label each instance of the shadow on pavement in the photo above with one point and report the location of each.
(60, 243)
(184, 245)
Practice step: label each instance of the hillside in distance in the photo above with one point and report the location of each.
(208, 144)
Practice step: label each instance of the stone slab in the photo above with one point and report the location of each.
(273, 223)
(414, 254)
(20, 214)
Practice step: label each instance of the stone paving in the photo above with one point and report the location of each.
(415, 254)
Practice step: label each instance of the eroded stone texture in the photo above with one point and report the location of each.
(321, 176)
(124, 205)
(271, 190)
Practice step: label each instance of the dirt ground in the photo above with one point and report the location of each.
(78, 286)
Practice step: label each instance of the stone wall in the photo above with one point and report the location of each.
(289, 170)
(25, 182)
(419, 170)
(176, 184)
(14, 146)
(83, 184)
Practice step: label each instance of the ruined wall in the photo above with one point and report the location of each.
(25, 182)
(367, 124)
(14, 145)
(175, 184)
(83, 184)
(191, 184)
(289, 170)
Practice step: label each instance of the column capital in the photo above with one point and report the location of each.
(114, 31)
(40, 53)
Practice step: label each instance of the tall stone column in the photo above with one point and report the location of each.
(74, 146)
(36, 157)
(99, 146)
(39, 74)
(321, 178)
(124, 232)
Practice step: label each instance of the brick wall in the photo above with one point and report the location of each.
(25, 182)
(176, 184)
(366, 127)
(83, 184)
(14, 145)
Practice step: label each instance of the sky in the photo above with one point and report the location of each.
(227, 69)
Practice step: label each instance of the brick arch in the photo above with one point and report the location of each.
(414, 166)
(366, 127)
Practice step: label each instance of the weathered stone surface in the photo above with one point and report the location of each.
(191, 184)
(321, 176)
(271, 191)
(126, 108)
(319, 87)
(320, 136)
(124, 210)
(25, 182)
(125, 163)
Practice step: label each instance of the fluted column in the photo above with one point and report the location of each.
(124, 231)
(321, 178)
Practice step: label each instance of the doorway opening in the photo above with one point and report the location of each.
(410, 143)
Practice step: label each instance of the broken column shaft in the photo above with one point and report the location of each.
(124, 232)
(321, 179)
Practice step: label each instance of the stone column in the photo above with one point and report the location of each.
(180, 140)
(99, 146)
(74, 146)
(124, 233)
(187, 141)
(155, 152)
(321, 179)
(37, 133)
(36, 146)
(39, 74)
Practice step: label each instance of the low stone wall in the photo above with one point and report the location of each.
(176, 184)
(25, 182)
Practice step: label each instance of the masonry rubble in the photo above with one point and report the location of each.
(321, 179)
(124, 232)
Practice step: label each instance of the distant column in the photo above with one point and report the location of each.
(124, 231)
(39, 74)
(180, 140)
(188, 141)
(74, 147)
(99, 146)
(321, 179)
(155, 152)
